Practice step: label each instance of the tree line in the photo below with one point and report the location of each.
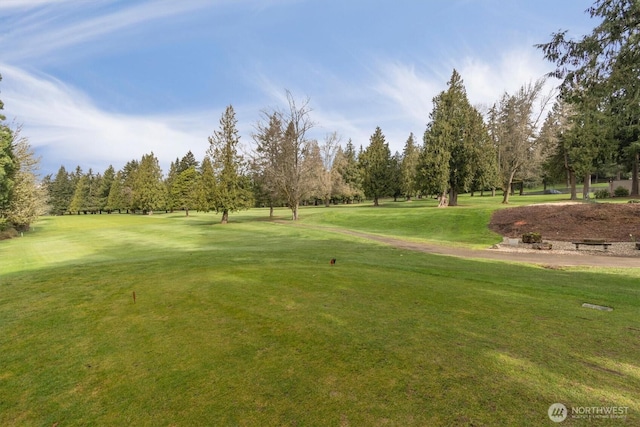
(592, 128)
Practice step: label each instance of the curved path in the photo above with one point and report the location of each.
(545, 258)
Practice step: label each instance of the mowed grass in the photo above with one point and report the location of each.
(248, 324)
(419, 220)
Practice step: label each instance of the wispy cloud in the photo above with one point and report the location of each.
(64, 123)
(28, 4)
(67, 23)
(410, 89)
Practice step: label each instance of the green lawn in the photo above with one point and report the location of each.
(247, 324)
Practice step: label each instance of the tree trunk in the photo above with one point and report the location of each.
(186, 211)
(453, 197)
(271, 211)
(634, 176)
(507, 188)
(375, 201)
(572, 184)
(586, 185)
(225, 217)
(294, 212)
(442, 200)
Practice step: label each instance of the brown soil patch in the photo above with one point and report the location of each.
(610, 221)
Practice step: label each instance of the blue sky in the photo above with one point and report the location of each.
(99, 82)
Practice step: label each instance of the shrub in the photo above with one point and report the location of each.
(8, 233)
(621, 192)
(602, 194)
(532, 238)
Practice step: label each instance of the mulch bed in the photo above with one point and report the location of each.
(613, 222)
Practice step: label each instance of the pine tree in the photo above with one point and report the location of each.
(187, 161)
(149, 192)
(232, 189)
(206, 186)
(116, 200)
(451, 144)
(409, 168)
(80, 195)
(105, 187)
(604, 66)
(60, 192)
(375, 162)
(184, 191)
(396, 174)
(346, 175)
(170, 182)
(352, 174)
(129, 177)
(8, 167)
(265, 160)
(94, 183)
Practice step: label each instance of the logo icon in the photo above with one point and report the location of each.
(557, 412)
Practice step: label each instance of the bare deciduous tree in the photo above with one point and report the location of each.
(513, 125)
(282, 147)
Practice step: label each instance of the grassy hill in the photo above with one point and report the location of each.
(248, 324)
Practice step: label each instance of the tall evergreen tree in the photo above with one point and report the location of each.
(184, 191)
(409, 168)
(149, 192)
(79, 200)
(265, 160)
(172, 176)
(206, 186)
(129, 176)
(187, 161)
(8, 166)
(396, 176)
(375, 162)
(346, 175)
(232, 190)
(60, 192)
(451, 144)
(94, 183)
(604, 64)
(116, 200)
(352, 174)
(105, 187)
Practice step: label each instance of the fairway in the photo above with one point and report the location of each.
(248, 324)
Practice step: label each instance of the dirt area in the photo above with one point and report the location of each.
(613, 222)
